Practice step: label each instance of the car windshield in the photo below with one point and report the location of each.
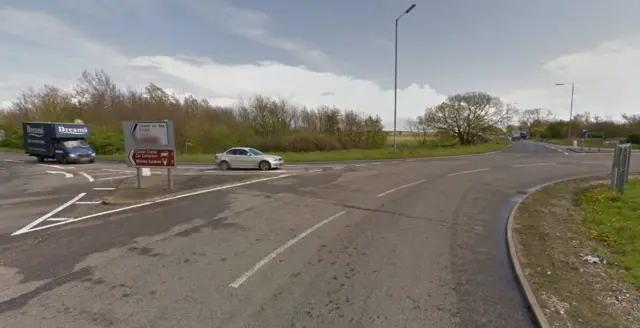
(79, 143)
(255, 152)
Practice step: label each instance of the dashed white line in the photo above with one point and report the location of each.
(13, 161)
(401, 187)
(533, 164)
(66, 175)
(361, 165)
(28, 227)
(88, 203)
(121, 171)
(90, 178)
(465, 172)
(272, 255)
(338, 168)
(312, 171)
(57, 219)
(376, 163)
(118, 177)
(104, 188)
(57, 166)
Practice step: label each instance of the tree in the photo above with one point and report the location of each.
(420, 129)
(464, 115)
(535, 116)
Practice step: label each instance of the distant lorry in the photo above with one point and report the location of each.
(64, 142)
(524, 134)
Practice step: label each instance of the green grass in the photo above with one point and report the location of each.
(11, 150)
(406, 149)
(614, 220)
(353, 154)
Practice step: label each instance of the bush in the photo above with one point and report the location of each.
(634, 139)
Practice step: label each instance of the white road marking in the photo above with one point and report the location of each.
(105, 173)
(395, 162)
(376, 163)
(57, 219)
(595, 162)
(57, 166)
(465, 172)
(104, 188)
(534, 164)
(13, 161)
(338, 168)
(312, 171)
(66, 175)
(90, 178)
(360, 165)
(29, 226)
(558, 149)
(118, 177)
(121, 209)
(401, 187)
(88, 203)
(279, 250)
(121, 171)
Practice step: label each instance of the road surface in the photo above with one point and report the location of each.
(405, 243)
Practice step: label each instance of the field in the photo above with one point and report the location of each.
(407, 148)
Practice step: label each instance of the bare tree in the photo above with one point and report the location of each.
(464, 115)
(530, 117)
(420, 129)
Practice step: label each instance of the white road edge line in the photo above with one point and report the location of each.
(312, 171)
(28, 227)
(57, 219)
(104, 188)
(57, 166)
(465, 172)
(90, 178)
(361, 165)
(88, 203)
(268, 258)
(401, 187)
(66, 175)
(338, 168)
(149, 203)
(534, 164)
(13, 161)
(121, 171)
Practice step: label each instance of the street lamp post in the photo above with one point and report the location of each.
(395, 81)
(571, 108)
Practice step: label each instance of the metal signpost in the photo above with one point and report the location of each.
(621, 166)
(1, 135)
(594, 135)
(150, 144)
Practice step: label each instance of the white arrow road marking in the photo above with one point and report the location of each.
(67, 175)
(28, 227)
(91, 179)
(57, 166)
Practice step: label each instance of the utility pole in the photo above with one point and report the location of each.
(573, 85)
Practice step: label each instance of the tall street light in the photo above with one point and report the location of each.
(395, 82)
(571, 109)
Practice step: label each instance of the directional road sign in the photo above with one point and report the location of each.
(164, 158)
(140, 137)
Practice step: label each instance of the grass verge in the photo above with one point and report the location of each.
(555, 227)
(353, 154)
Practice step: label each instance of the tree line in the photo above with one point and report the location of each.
(200, 127)
(543, 124)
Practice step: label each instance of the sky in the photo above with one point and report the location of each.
(336, 53)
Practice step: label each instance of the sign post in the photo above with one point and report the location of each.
(150, 144)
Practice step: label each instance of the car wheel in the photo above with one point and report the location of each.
(224, 165)
(264, 166)
(40, 159)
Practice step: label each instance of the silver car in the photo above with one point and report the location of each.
(247, 158)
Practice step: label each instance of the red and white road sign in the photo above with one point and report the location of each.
(152, 158)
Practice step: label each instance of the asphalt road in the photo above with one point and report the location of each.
(417, 243)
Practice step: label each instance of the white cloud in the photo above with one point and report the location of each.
(204, 77)
(606, 82)
(257, 26)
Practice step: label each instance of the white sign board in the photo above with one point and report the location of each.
(154, 134)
